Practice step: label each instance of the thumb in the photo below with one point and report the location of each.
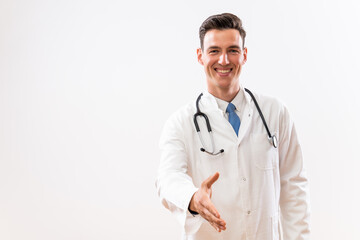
(210, 180)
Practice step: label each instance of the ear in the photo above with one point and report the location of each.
(199, 56)
(244, 55)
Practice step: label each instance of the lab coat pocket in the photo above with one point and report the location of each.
(212, 163)
(263, 152)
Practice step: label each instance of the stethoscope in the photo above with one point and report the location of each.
(272, 138)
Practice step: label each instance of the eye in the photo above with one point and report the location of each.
(236, 51)
(213, 51)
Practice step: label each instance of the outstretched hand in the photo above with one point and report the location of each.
(201, 203)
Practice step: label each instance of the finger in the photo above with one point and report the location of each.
(215, 226)
(218, 223)
(210, 207)
(213, 218)
(210, 180)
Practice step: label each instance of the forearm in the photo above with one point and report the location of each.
(294, 195)
(295, 208)
(175, 188)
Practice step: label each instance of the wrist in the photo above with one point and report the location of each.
(192, 212)
(191, 207)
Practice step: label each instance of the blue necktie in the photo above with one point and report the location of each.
(233, 117)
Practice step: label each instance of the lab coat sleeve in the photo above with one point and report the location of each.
(294, 195)
(175, 187)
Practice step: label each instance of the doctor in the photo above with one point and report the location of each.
(232, 182)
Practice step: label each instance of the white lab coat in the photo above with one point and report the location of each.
(262, 192)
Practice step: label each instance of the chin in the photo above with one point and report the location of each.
(225, 83)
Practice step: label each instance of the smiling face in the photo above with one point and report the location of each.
(222, 57)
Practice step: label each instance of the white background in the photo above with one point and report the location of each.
(86, 86)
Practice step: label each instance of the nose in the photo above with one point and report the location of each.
(223, 60)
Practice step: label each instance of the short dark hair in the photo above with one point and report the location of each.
(221, 22)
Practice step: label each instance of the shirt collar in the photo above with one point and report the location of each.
(239, 101)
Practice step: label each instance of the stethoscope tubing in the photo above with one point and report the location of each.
(198, 113)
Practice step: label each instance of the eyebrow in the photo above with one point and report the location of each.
(235, 46)
(216, 47)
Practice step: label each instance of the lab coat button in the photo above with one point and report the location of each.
(244, 179)
(248, 212)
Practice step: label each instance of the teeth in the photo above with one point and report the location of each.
(223, 71)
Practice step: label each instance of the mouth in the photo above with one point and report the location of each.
(223, 72)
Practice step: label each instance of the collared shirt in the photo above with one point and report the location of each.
(239, 101)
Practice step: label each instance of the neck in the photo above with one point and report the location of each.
(225, 94)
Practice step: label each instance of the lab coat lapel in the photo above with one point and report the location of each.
(246, 118)
(245, 122)
(210, 106)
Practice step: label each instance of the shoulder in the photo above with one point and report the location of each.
(268, 102)
(181, 117)
(178, 123)
(183, 113)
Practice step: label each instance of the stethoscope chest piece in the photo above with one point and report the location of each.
(274, 141)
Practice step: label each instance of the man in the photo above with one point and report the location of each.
(232, 182)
